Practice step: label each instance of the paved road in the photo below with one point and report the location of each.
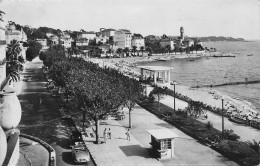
(55, 132)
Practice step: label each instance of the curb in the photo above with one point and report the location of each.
(95, 162)
(52, 153)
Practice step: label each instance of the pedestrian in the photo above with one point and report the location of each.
(105, 135)
(109, 133)
(128, 134)
(40, 100)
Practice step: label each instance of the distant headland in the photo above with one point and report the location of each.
(220, 38)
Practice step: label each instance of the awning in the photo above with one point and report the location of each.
(162, 134)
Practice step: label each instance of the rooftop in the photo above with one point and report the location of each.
(155, 68)
(162, 133)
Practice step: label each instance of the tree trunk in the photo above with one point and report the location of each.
(130, 124)
(83, 121)
(159, 102)
(97, 128)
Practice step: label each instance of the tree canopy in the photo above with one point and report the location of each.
(95, 91)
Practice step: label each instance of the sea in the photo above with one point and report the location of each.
(211, 70)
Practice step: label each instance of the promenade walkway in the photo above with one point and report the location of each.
(245, 132)
(119, 151)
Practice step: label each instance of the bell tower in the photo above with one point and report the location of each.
(182, 33)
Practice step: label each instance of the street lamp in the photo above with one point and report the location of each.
(145, 85)
(223, 98)
(174, 83)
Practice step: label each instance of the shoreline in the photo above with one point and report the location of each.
(209, 96)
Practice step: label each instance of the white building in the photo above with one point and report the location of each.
(2, 47)
(65, 42)
(88, 35)
(122, 38)
(54, 40)
(81, 42)
(13, 34)
(138, 41)
(102, 39)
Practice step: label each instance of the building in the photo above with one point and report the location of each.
(81, 42)
(102, 39)
(107, 32)
(188, 42)
(43, 43)
(65, 41)
(88, 35)
(122, 38)
(168, 40)
(152, 38)
(138, 41)
(12, 33)
(2, 47)
(54, 40)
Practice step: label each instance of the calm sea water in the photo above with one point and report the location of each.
(222, 70)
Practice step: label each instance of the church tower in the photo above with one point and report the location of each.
(182, 33)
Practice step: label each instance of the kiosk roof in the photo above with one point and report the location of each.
(156, 68)
(162, 134)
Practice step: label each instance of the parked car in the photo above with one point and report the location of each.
(80, 153)
(75, 137)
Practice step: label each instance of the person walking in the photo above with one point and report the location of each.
(105, 135)
(109, 134)
(128, 134)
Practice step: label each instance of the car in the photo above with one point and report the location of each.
(75, 137)
(80, 153)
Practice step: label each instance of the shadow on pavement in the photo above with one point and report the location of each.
(67, 158)
(64, 143)
(135, 150)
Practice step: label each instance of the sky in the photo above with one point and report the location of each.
(234, 18)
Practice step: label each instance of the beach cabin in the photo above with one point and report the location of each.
(159, 74)
(162, 142)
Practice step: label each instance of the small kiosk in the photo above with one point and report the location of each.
(162, 142)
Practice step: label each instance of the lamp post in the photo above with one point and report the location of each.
(223, 98)
(145, 85)
(174, 83)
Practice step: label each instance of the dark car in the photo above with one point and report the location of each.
(75, 137)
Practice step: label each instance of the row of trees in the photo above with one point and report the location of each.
(97, 92)
(155, 47)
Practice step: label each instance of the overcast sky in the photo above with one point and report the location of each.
(235, 18)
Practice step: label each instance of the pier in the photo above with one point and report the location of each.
(227, 84)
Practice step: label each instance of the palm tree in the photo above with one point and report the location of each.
(13, 77)
(14, 61)
(254, 145)
(13, 50)
(126, 50)
(134, 49)
(119, 51)
(168, 48)
(142, 50)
